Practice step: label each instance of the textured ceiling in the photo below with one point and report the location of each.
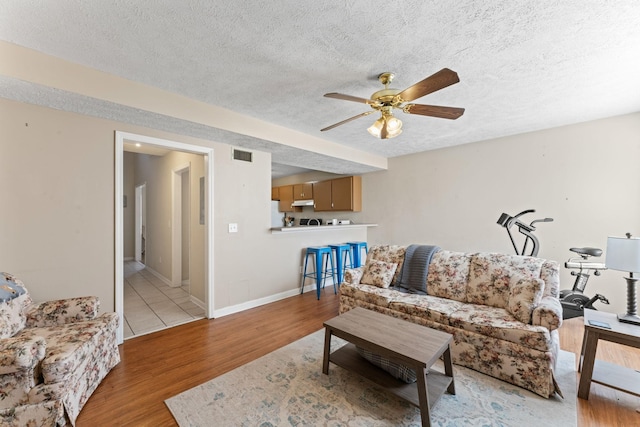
(523, 65)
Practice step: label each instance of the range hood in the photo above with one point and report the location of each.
(302, 203)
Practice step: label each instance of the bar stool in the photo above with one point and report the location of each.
(320, 274)
(341, 252)
(356, 248)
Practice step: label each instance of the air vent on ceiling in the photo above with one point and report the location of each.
(245, 156)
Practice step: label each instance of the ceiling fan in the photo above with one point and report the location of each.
(385, 100)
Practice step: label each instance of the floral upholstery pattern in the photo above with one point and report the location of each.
(550, 275)
(448, 275)
(490, 277)
(378, 273)
(499, 323)
(60, 312)
(487, 338)
(433, 308)
(368, 293)
(12, 317)
(524, 296)
(548, 313)
(51, 366)
(388, 253)
(353, 275)
(41, 414)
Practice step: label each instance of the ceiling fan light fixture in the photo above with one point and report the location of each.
(387, 99)
(391, 124)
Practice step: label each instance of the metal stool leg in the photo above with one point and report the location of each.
(304, 273)
(346, 254)
(333, 271)
(319, 276)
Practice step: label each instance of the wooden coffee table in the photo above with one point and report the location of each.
(402, 342)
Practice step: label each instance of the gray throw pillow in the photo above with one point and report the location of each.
(396, 370)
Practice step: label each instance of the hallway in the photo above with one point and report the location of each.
(151, 305)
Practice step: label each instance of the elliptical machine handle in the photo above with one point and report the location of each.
(542, 220)
(525, 212)
(507, 220)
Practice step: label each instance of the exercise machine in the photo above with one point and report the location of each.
(507, 221)
(573, 300)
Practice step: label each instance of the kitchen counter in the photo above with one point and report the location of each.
(307, 228)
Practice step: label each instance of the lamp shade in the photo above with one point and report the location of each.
(623, 254)
(392, 126)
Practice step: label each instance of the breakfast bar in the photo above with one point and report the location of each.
(316, 228)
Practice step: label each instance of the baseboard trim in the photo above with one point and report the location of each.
(262, 301)
(165, 280)
(198, 302)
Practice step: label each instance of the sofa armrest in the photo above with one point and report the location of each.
(353, 275)
(548, 313)
(60, 312)
(21, 353)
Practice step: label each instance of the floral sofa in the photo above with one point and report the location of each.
(53, 355)
(502, 310)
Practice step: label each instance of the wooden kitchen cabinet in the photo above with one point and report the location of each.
(286, 198)
(340, 194)
(322, 196)
(275, 193)
(303, 191)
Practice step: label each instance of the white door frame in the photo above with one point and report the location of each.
(176, 222)
(120, 137)
(139, 221)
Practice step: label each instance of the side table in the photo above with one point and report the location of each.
(598, 371)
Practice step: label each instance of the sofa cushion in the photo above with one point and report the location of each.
(524, 296)
(490, 276)
(448, 275)
(368, 293)
(499, 323)
(68, 346)
(426, 306)
(378, 273)
(388, 253)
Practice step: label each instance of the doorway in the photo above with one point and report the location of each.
(122, 138)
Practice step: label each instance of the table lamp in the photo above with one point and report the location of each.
(623, 254)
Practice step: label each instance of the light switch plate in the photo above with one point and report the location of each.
(233, 227)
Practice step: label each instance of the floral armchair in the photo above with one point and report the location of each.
(53, 355)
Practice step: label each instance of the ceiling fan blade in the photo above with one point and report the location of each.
(349, 98)
(434, 82)
(347, 120)
(434, 111)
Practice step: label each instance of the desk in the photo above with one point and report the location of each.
(597, 371)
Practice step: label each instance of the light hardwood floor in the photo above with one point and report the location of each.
(157, 366)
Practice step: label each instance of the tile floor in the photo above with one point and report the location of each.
(151, 305)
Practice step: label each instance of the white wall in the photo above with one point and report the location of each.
(585, 176)
(57, 226)
(156, 172)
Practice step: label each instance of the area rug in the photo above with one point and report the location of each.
(287, 388)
